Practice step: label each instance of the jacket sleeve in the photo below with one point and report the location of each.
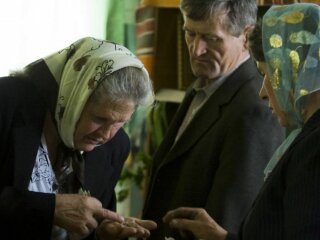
(122, 149)
(248, 146)
(116, 153)
(301, 196)
(25, 215)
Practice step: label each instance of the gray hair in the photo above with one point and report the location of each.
(240, 13)
(128, 83)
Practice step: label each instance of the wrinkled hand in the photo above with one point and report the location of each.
(196, 221)
(78, 214)
(131, 227)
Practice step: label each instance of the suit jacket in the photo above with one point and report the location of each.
(287, 206)
(218, 161)
(29, 215)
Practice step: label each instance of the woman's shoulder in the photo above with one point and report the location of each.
(121, 138)
(305, 149)
(17, 91)
(120, 142)
(16, 85)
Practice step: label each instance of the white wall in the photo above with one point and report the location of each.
(31, 29)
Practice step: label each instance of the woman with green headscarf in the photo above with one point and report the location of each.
(287, 206)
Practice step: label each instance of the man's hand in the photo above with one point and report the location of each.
(196, 221)
(131, 227)
(78, 214)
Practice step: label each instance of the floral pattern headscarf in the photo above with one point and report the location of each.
(78, 70)
(291, 46)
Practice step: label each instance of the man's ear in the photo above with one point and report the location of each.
(246, 32)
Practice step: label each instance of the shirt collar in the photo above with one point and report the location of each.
(212, 86)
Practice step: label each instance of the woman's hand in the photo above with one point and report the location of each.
(131, 227)
(78, 214)
(196, 221)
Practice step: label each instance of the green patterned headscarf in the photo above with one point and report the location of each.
(291, 46)
(78, 70)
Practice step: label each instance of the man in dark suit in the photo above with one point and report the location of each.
(222, 136)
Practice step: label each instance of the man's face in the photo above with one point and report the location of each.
(213, 51)
(99, 122)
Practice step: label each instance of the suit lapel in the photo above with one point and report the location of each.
(27, 135)
(169, 137)
(208, 114)
(26, 142)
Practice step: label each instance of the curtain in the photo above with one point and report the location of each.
(121, 22)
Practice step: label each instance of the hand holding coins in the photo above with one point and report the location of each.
(130, 227)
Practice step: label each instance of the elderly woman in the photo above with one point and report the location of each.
(62, 143)
(287, 206)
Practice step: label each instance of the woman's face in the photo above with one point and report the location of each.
(266, 92)
(99, 122)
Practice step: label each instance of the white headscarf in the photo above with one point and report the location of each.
(78, 70)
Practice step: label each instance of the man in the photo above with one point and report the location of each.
(217, 146)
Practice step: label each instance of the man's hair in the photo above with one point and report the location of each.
(255, 42)
(239, 13)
